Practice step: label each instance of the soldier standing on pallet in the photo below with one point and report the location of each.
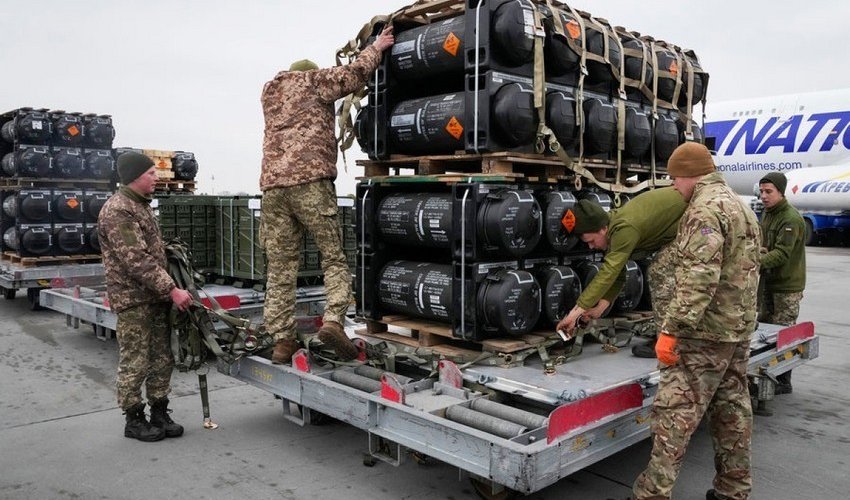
(783, 261)
(299, 167)
(646, 224)
(140, 291)
(704, 343)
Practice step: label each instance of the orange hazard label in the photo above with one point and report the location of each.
(454, 128)
(674, 68)
(162, 164)
(573, 29)
(451, 44)
(73, 203)
(569, 221)
(73, 130)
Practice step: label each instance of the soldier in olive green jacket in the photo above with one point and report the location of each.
(783, 260)
(646, 224)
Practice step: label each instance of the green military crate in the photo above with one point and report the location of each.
(199, 236)
(310, 243)
(311, 261)
(237, 222)
(168, 233)
(185, 234)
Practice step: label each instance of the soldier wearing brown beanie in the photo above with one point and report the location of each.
(704, 342)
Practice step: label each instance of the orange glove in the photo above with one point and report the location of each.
(665, 349)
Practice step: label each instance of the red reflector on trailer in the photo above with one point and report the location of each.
(391, 388)
(573, 415)
(225, 301)
(794, 333)
(301, 361)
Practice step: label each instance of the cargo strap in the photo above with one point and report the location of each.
(193, 335)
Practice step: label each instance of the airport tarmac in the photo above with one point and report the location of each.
(61, 433)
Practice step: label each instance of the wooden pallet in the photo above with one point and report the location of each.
(50, 260)
(171, 186)
(438, 337)
(164, 175)
(532, 167)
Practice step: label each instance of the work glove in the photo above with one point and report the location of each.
(665, 349)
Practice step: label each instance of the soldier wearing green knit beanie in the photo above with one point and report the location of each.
(644, 225)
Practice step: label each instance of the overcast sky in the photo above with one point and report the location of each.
(187, 75)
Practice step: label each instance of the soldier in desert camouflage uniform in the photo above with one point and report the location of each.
(703, 347)
(140, 291)
(783, 261)
(646, 224)
(299, 167)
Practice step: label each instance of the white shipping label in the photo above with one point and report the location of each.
(404, 47)
(36, 125)
(403, 120)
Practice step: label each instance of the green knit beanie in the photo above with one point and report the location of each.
(778, 179)
(131, 165)
(303, 65)
(590, 217)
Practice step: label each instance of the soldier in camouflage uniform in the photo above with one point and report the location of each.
(646, 224)
(140, 291)
(703, 347)
(783, 261)
(299, 167)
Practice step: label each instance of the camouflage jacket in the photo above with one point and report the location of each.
(783, 267)
(717, 277)
(133, 252)
(299, 145)
(643, 225)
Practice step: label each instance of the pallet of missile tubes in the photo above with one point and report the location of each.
(462, 91)
(486, 264)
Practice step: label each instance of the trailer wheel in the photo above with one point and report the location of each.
(9, 293)
(811, 238)
(484, 489)
(32, 297)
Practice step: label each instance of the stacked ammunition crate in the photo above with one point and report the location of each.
(58, 169)
(223, 233)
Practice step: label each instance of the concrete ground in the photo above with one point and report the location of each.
(61, 434)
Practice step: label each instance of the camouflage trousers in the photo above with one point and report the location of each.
(286, 213)
(144, 353)
(779, 308)
(709, 377)
(661, 274)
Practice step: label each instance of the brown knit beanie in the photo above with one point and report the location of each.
(590, 217)
(690, 159)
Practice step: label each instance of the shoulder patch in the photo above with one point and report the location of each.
(128, 234)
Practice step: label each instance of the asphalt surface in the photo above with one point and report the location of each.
(61, 433)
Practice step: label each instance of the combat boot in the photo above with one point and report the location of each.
(333, 335)
(138, 427)
(713, 495)
(644, 350)
(160, 418)
(283, 351)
